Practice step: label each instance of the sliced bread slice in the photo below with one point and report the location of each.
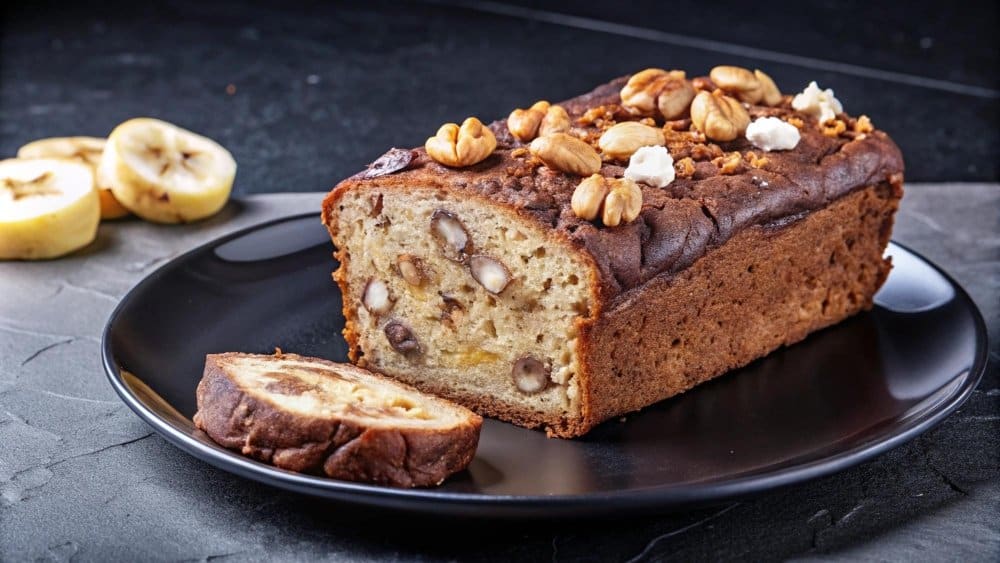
(316, 416)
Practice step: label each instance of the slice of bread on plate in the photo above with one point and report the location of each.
(316, 416)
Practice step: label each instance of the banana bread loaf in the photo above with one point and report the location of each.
(579, 261)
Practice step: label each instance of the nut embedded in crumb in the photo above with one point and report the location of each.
(451, 235)
(530, 375)
(376, 297)
(401, 338)
(461, 146)
(411, 269)
(489, 273)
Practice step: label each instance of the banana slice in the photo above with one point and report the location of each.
(83, 149)
(164, 173)
(48, 207)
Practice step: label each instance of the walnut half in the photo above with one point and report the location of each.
(461, 146)
(718, 116)
(616, 200)
(655, 89)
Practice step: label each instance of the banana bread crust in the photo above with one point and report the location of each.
(679, 223)
(322, 445)
(836, 193)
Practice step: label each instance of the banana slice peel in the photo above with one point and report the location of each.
(166, 174)
(87, 150)
(48, 207)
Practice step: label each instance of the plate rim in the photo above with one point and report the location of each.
(430, 500)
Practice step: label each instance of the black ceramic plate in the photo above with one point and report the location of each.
(842, 396)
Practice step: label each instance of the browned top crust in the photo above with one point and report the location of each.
(679, 223)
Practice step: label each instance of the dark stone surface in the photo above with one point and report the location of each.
(82, 477)
(322, 90)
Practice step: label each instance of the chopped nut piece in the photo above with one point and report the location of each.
(798, 123)
(461, 146)
(566, 154)
(720, 117)
(602, 116)
(620, 141)
(729, 163)
(530, 375)
(412, 269)
(834, 128)
(754, 160)
(863, 125)
(401, 338)
(376, 297)
(656, 89)
(676, 125)
(705, 151)
(452, 311)
(490, 273)
(376, 201)
(556, 120)
(684, 167)
(616, 200)
(770, 94)
(451, 235)
(739, 81)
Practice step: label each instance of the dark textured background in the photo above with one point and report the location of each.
(319, 90)
(323, 89)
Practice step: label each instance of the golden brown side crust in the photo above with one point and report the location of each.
(764, 289)
(342, 449)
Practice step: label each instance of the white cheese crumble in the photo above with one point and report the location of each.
(818, 103)
(772, 134)
(651, 165)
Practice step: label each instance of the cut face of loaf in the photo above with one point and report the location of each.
(464, 299)
(311, 415)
